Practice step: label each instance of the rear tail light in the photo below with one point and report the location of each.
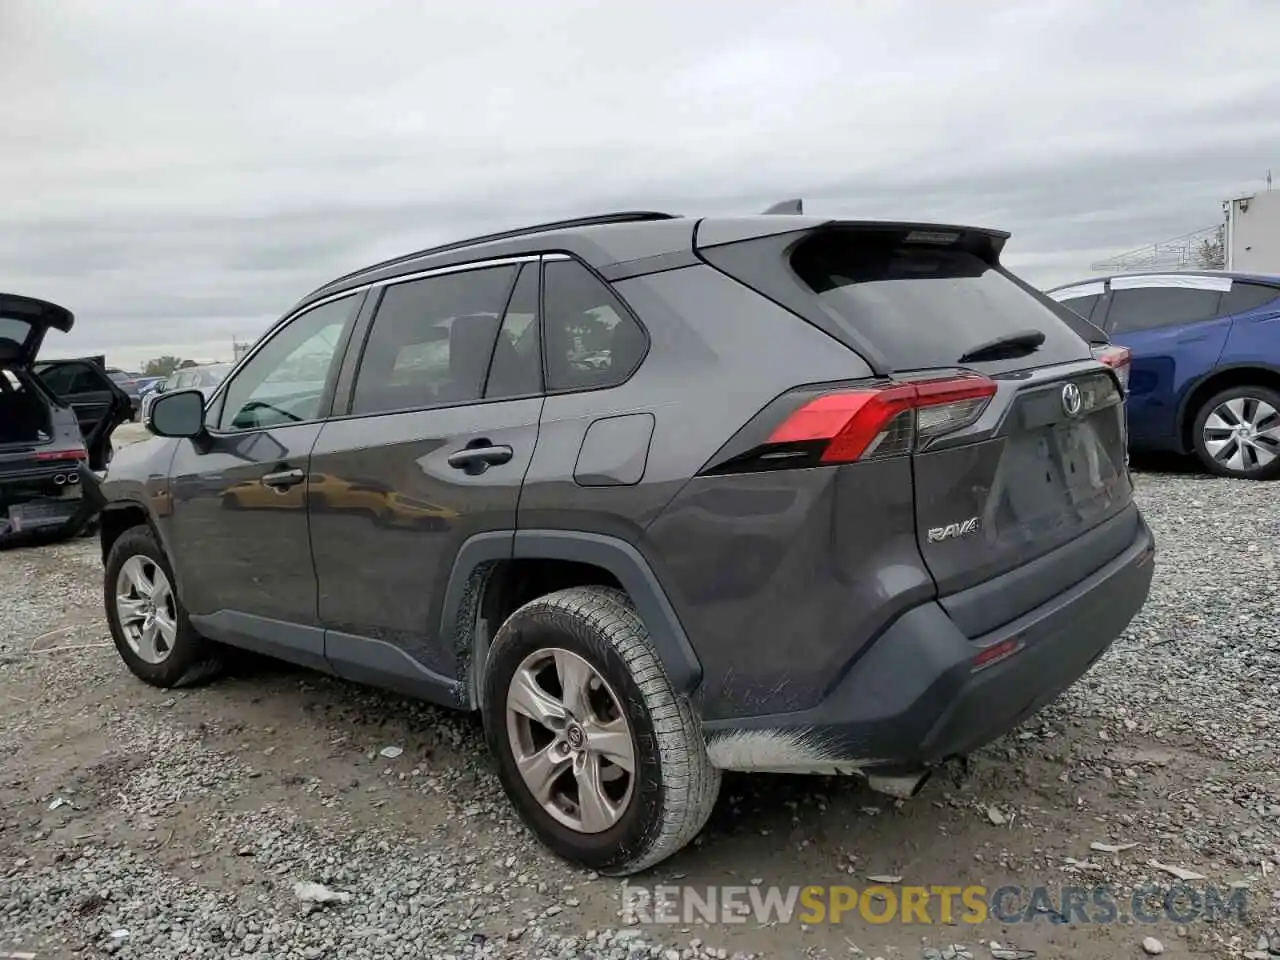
(875, 422)
(67, 453)
(1117, 358)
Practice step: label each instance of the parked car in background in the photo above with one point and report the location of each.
(202, 377)
(56, 419)
(128, 382)
(1205, 362)
(147, 384)
(421, 478)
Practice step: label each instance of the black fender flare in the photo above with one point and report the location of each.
(135, 504)
(479, 555)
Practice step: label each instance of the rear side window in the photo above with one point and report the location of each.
(923, 305)
(432, 340)
(592, 340)
(1244, 296)
(1147, 308)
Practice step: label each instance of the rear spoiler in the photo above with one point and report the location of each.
(783, 220)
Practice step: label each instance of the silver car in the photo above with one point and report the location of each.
(204, 378)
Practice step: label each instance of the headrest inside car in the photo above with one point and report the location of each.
(10, 350)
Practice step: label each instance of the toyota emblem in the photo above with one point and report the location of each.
(1072, 400)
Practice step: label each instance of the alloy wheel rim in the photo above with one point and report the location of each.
(146, 609)
(571, 740)
(1243, 434)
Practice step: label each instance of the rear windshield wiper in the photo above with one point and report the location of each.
(1005, 348)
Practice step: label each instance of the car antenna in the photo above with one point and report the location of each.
(795, 207)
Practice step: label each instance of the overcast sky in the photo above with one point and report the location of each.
(179, 173)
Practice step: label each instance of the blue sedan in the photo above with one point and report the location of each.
(1205, 370)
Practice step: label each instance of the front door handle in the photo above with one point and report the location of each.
(284, 479)
(479, 456)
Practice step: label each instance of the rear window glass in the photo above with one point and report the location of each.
(16, 331)
(923, 305)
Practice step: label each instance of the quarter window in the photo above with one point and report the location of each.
(1244, 296)
(1147, 308)
(432, 341)
(284, 382)
(591, 339)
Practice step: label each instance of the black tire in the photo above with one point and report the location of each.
(1270, 471)
(192, 659)
(674, 787)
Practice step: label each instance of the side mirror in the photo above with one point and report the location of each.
(177, 414)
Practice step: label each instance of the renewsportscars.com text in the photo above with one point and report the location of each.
(972, 904)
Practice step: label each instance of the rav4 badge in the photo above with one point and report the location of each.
(953, 531)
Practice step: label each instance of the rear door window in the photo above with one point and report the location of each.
(70, 378)
(923, 305)
(1149, 308)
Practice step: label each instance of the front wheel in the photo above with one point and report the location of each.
(603, 761)
(1236, 433)
(148, 623)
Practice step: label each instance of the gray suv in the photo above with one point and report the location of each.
(659, 497)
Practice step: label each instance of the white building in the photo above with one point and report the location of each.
(1252, 238)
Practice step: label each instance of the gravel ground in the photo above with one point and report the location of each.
(143, 823)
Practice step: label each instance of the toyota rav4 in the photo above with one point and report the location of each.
(659, 497)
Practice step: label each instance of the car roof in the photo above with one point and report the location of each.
(643, 240)
(1268, 279)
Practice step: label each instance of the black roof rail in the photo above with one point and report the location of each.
(625, 216)
(795, 207)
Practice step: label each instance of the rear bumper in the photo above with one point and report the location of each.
(33, 502)
(915, 699)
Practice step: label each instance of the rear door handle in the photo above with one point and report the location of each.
(284, 479)
(478, 459)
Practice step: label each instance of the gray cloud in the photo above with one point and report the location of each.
(179, 173)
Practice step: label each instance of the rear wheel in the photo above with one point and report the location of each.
(1237, 433)
(148, 622)
(602, 760)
